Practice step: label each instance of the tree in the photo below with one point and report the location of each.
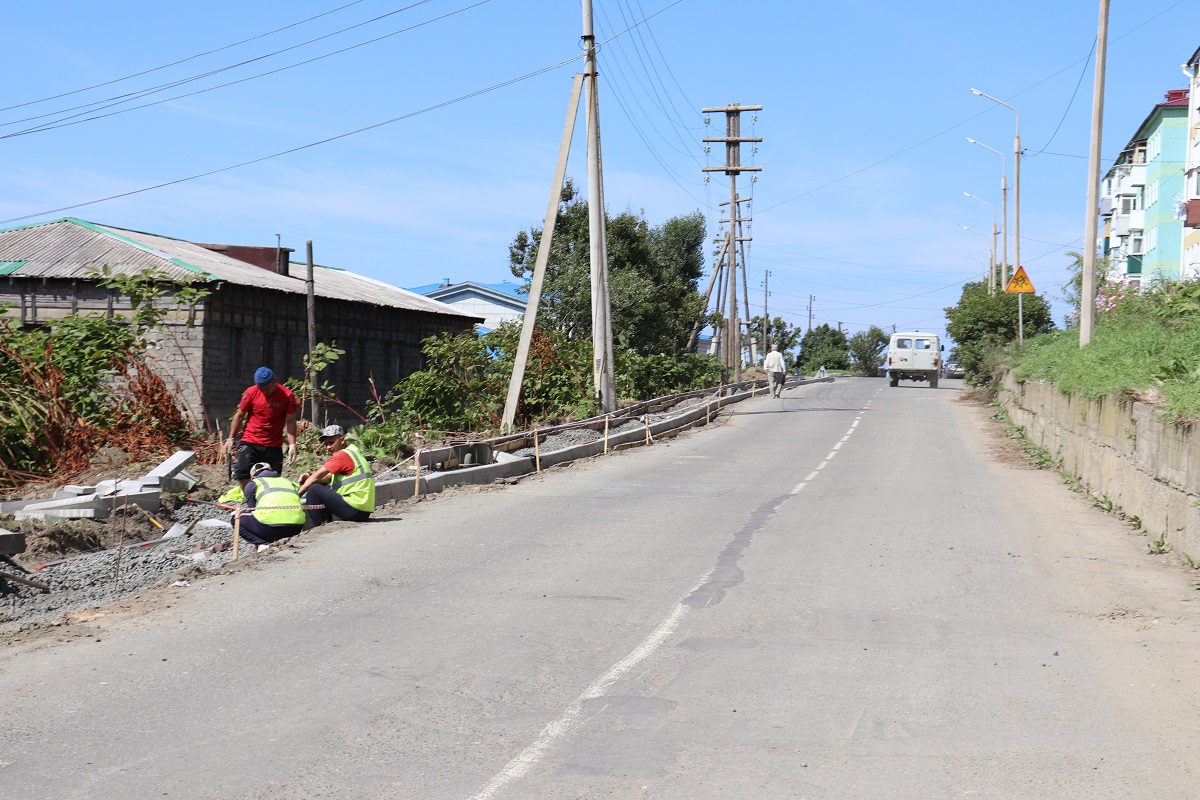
(824, 346)
(1072, 290)
(982, 321)
(866, 350)
(783, 335)
(653, 276)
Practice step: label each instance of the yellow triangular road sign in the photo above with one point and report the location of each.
(1020, 283)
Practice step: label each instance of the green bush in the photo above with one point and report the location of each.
(646, 377)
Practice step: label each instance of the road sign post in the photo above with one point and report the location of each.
(1020, 285)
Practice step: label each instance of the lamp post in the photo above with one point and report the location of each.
(1003, 207)
(974, 258)
(1016, 179)
(992, 271)
(992, 250)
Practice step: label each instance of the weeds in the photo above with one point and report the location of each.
(1159, 546)
(1190, 562)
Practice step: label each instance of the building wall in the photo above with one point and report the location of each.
(248, 327)
(493, 313)
(1190, 255)
(175, 352)
(239, 328)
(1164, 188)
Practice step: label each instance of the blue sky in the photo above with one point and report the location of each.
(866, 111)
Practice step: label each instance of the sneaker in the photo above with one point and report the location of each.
(262, 547)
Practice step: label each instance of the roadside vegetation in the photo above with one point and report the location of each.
(84, 384)
(1146, 344)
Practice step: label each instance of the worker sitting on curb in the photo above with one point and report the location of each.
(344, 485)
(276, 507)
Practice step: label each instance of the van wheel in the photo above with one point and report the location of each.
(933, 383)
(893, 382)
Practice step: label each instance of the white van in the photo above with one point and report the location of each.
(914, 356)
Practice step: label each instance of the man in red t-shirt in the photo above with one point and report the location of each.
(267, 409)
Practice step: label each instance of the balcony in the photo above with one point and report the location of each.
(1120, 225)
(1191, 211)
(1106, 206)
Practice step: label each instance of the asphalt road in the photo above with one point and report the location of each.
(840, 594)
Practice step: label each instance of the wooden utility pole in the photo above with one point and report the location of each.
(602, 363)
(539, 266)
(733, 139)
(766, 318)
(810, 302)
(310, 286)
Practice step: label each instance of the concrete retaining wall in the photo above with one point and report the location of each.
(1122, 451)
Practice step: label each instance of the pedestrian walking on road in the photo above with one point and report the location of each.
(268, 409)
(275, 501)
(776, 369)
(344, 485)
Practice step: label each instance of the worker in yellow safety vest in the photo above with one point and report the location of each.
(275, 510)
(344, 485)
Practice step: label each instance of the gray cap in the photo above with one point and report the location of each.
(331, 431)
(260, 468)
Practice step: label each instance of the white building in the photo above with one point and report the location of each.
(1190, 210)
(495, 302)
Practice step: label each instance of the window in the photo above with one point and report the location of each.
(904, 344)
(1151, 190)
(1135, 242)
(1154, 146)
(1151, 239)
(923, 344)
(1128, 203)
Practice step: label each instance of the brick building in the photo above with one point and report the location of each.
(255, 312)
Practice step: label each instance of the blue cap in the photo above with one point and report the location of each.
(263, 376)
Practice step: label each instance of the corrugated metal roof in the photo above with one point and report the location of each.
(70, 247)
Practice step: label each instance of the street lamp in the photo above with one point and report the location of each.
(992, 271)
(1016, 179)
(975, 258)
(992, 249)
(1003, 206)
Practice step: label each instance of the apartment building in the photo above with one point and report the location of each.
(1142, 195)
(1190, 211)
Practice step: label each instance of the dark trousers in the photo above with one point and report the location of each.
(250, 454)
(256, 532)
(336, 506)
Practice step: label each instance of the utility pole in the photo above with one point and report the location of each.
(1087, 294)
(310, 287)
(766, 317)
(539, 266)
(602, 364)
(733, 139)
(810, 302)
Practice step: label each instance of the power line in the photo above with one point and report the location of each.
(345, 135)
(61, 122)
(958, 125)
(182, 60)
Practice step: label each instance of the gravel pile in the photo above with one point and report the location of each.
(88, 580)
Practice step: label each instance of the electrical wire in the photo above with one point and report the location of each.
(347, 134)
(63, 124)
(129, 96)
(182, 60)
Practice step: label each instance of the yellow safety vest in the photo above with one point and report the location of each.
(357, 488)
(276, 502)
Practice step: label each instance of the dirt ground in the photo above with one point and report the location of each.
(47, 541)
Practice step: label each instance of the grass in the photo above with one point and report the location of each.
(1129, 352)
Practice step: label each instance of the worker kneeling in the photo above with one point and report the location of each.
(275, 501)
(344, 485)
